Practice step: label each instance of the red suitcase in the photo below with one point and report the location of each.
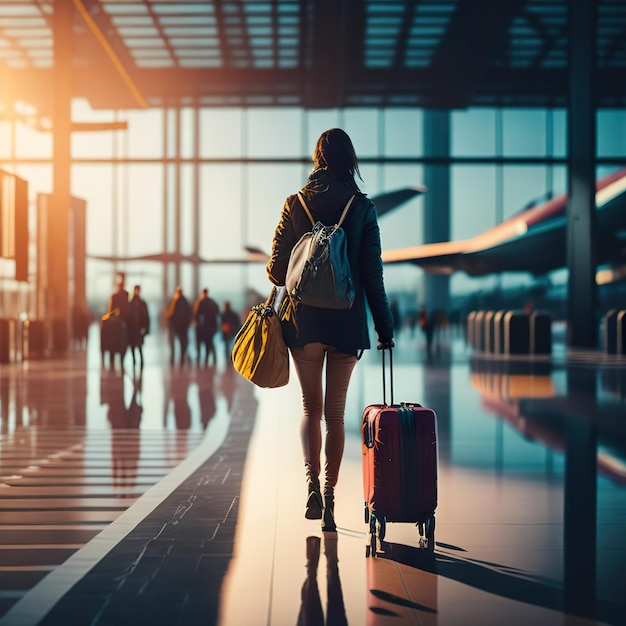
(399, 443)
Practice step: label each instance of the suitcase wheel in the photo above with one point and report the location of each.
(427, 533)
(378, 525)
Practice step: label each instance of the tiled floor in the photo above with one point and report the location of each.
(530, 524)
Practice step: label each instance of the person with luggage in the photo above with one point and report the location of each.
(118, 302)
(178, 315)
(331, 340)
(138, 324)
(205, 315)
(113, 324)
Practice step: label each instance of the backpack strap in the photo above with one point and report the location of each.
(341, 219)
(306, 208)
(345, 211)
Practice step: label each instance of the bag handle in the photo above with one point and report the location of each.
(341, 219)
(390, 376)
(271, 299)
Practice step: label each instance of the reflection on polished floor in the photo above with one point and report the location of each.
(176, 497)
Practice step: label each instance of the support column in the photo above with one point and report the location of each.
(166, 204)
(244, 273)
(115, 202)
(196, 200)
(177, 202)
(57, 304)
(582, 323)
(436, 201)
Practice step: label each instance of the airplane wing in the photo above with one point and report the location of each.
(251, 256)
(533, 241)
(257, 254)
(386, 202)
(485, 254)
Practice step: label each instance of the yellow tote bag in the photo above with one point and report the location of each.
(259, 352)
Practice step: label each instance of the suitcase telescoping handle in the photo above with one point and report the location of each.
(383, 350)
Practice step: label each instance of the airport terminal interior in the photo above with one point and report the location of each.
(154, 142)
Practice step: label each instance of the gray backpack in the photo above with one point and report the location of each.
(319, 273)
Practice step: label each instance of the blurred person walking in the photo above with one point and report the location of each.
(230, 325)
(113, 324)
(205, 316)
(427, 324)
(118, 302)
(138, 324)
(81, 320)
(397, 317)
(178, 315)
(331, 339)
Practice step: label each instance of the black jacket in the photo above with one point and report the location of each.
(346, 330)
(178, 314)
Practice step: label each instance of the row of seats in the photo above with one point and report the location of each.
(615, 332)
(510, 332)
(30, 339)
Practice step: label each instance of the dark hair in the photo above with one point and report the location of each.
(335, 151)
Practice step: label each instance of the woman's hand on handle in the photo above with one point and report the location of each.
(385, 345)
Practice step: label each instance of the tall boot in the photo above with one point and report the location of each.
(313, 509)
(328, 512)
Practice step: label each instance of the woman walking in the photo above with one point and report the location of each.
(331, 337)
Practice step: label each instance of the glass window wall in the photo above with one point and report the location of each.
(473, 133)
(501, 161)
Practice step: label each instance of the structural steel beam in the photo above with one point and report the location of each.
(581, 206)
(119, 66)
(160, 87)
(325, 78)
(57, 304)
(476, 30)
